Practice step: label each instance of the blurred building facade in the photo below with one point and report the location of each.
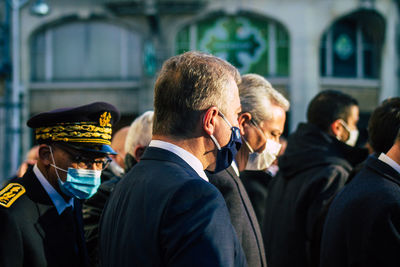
(111, 50)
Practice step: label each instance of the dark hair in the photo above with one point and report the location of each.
(328, 106)
(384, 125)
(187, 85)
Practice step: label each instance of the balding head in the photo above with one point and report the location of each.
(118, 144)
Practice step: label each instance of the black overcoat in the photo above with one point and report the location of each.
(313, 169)
(363, 223)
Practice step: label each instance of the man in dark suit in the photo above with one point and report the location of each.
(164, 212)
(261, 122)
(363, 223)
(40, 213)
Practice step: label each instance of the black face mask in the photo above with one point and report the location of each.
(226, 154)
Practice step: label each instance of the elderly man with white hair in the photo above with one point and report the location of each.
(137, 139)
(261, 123)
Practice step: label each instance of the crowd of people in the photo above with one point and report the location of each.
(206, 179)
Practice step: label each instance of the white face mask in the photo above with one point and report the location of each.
(353, 134)
(261, 161)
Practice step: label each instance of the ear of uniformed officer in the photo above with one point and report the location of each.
(182, 201)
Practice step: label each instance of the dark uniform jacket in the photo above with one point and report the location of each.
(163, 214)
(32, 233)
(92, 210)
(243, 218)
(363, 224)
(256, 185)
(313, 169)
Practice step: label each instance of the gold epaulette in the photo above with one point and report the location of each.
(10, 193)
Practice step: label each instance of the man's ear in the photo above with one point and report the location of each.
(244, 119)
(336, 128)
(138, 152)
(45, 155)
(209, 120)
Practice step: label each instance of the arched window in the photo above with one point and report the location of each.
(252, 44)
(351, 47)
(86, 51)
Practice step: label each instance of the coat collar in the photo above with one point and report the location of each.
(383, 169)
(155, 153)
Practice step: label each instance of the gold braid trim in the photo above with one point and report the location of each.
(75, 133)
(11, 193)
(73, 128)
(75, 136)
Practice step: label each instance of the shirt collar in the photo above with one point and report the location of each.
(385, 158)
(235, 167)
(55, 197)
(188, 157)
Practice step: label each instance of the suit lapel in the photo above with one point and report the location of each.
(56, 234)
(249, 210)
(46, 212)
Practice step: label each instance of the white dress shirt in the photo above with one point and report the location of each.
(235, 168)
(383, 157)
(55, 197)
(188, 157)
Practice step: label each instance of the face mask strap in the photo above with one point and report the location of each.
(54, 163)
(213, 137)
(248, 145)
(225, 119)
(344, 124)
(259, 128)
(215, 142)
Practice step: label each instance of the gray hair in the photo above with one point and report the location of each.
(140, 132)
(257, 95)
(187, 85)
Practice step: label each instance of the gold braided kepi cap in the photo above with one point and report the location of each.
(87, 127)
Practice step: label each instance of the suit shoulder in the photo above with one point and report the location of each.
(10, 193)
(198, 190)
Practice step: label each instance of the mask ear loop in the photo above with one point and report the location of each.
(248, 145)
(215, 142)
(54, 165)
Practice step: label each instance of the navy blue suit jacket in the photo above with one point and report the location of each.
(363, 223)
(163, 214)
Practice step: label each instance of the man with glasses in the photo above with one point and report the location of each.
(40, 213)
(261, 123)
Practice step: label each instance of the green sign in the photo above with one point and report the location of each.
(236, 40)
(242, 41)
(344, 47)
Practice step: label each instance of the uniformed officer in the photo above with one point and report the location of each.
(40, 213)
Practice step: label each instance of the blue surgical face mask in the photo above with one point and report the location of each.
(226, 154)
(80, 183)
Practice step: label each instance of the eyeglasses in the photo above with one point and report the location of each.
(86, 162)
(259, 128)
